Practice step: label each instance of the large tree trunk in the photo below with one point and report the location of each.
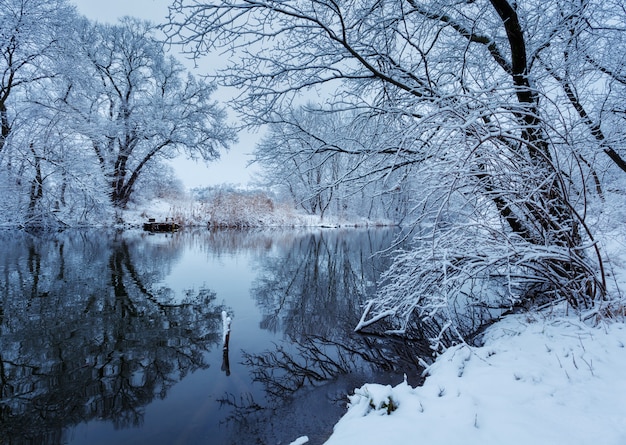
(548, 219)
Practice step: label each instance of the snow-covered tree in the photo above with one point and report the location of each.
(503, 110)
(29, 41)
(34, 150)
(294, 159)
(86, 110)
(135, 105)
(335, 162)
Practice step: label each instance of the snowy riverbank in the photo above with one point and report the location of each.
(236, 213)
(541, 380)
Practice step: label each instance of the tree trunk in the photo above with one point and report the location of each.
(36, 187)
(550, 219)
(5, 128)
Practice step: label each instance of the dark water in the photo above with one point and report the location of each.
(117, 337)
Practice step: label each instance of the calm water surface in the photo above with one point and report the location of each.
(117, 337)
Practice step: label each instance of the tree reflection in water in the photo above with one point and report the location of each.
(88, 333)
(85, 333)
(314, 292)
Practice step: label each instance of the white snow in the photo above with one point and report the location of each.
(226, 320)
(538, 379)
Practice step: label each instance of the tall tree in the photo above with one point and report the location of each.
(135, 105)
(499, 151)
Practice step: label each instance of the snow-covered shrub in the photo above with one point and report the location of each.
(228, 206)
(466, 266)
(378, 398)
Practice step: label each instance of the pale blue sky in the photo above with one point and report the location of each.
(111, 10)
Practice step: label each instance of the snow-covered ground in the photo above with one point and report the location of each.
(541, 380)
(550, 377)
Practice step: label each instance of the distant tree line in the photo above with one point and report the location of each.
(229, 206)
(333, 163)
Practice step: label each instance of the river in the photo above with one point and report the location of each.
(117, 336)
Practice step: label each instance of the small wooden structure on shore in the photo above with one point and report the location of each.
(153, 226)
